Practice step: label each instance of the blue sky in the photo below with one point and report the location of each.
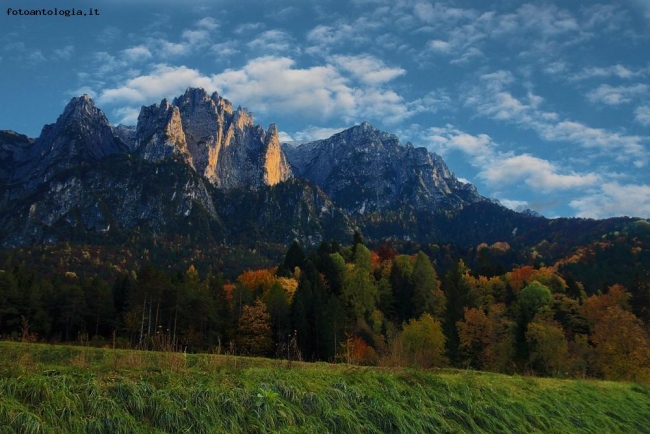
(542, 105)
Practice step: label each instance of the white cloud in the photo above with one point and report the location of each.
(248, 27)
(274, 84)
(172, 49)
(498, 79)
(556, 67)
(440, 46)
(546, 19)
(109, 35)
(84, 90)
(515, 205)
(208, 23)
(127, 115)
(444, 139)
(495, 101)
(163, 82)
(537, 173)
(642, 115)
(588, 137)
(614, 199)
(368, 69)
(36, 57)
(470, 54)
(137, 53)
(618, 71)
(438, 13)
(615, 95)
(273, 41)
(601, 17)
(324, 37)
(498, 168)
(107, 65)
(64, 53)
(312, 133)
(224, 49)
(196, 37)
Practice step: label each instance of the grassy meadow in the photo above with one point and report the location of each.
(68, 389)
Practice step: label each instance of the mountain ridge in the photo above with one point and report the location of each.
(198, 162)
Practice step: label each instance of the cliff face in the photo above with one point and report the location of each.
(226, 146)
(159, 134)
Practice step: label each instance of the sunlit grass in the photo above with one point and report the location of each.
(75, 389)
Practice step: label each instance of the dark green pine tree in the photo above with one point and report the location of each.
(427, 297)
(295, 257)
(401, 282)
(221, 331)
(458, 296)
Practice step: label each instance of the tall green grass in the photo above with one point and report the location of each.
(57, 389)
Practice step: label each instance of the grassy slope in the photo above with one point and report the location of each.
(61, 389)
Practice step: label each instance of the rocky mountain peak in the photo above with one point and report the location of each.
(276, 166)
(159, 133)
(82, 106)
(81, 133)
(365, 170)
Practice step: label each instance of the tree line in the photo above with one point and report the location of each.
(348, 303)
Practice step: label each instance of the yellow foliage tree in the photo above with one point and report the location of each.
(622, 346)
(423, 342)
(547, 346)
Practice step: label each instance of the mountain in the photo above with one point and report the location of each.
(12, 148)
(199, 169)
(366, 170)
(87, 181)
(82, 134)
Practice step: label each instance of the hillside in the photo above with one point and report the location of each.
(76, 389)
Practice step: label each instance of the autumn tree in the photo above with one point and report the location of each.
(423, 342)
(622, 346)
(476, 334)
(258, 281)
(548, 351)
(487, 340)
(254, 331)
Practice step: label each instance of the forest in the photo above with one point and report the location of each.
(355, 304)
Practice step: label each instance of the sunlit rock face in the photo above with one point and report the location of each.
(160, 134)
(226, 146)
(276, 166)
